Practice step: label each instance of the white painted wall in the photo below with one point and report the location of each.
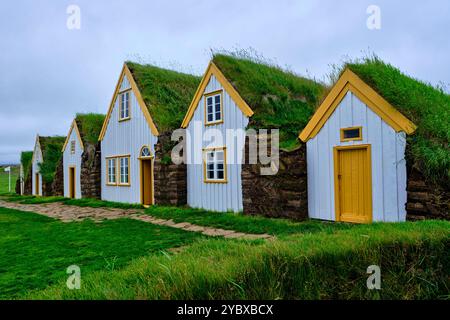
(122, 138)
(37, 158)
(388, 162)
(72, 160)
(215, 196)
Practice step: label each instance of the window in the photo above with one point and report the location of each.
(213, 107)
(124, 171)
(124, 106)
(214, 162)
(145, 152)
(351, 134)
(72, 147)
(112, 174)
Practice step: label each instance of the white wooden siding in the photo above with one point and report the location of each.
(72, 160)
(126, 138)
(388, 162)
(37, 159)
(215, 196)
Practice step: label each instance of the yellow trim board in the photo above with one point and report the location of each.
(134, 88)
(349, 81)
(210, 71)
(73, 126)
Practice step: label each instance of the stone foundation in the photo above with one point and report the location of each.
(90, 177)
(283, 195)
(170, 180)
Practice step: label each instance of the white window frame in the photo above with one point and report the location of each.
(111, 173)
(212, 96)
(215, 163)
(124, 170)
(72, 147)
(124, 105)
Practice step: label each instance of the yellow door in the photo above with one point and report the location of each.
(72, 182)
(36, 184)
(146, 182)
(353, 184)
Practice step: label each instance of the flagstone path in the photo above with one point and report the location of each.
(68, 213)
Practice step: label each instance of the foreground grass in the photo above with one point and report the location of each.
(414, 260)
(36, 250)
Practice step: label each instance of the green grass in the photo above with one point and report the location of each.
(25, 159)
(51, 152)
(244, 223)
(414, 260)
(90, 125)
(36, 250)
(280, 99)
(166, 93)
(4, 176)
(428, 107)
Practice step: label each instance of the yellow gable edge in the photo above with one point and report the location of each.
(349, 81)
(137, 93)
(72, 126)
(214, 70)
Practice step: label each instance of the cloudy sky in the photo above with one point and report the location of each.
(50, 72)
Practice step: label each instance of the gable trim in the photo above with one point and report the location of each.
(349, 81)
(73, 126)
(228, 87)
(126, 72)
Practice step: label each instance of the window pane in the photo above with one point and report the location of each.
(351, 133)
(219, 155)
(210, 108)
(210, 117)
(220, 175)
(210, 174)
(209, 101)
(218, 116)
(220, 166)
(217, 99)
(210, 166)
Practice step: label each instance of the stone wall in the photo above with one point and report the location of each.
(170, 180)
(281, 195)
(58, 181)
(90, 176)
(426, 200)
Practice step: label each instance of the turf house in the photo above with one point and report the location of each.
(238, 93)
(82, 157)
(23, 182)
(377, 148)
(147, 105)
(46, 157)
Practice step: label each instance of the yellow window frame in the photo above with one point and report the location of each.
(205, 97)
(358, 138)
(225, 173)
(119, 96)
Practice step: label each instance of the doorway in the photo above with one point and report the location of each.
(36, 184)
(72, 182)
(353, 183)
(147, 182)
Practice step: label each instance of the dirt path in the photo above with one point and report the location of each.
(67, 213)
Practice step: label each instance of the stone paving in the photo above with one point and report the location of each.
(68, 213)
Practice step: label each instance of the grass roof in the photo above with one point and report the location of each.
(25, 161)
(427, 106)
(166, 93)
(89, 125)
(51, 154)
(280, 99)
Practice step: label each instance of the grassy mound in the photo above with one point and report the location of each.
(90, 125)
(166, 93)
(25, 160)
(280, 99)
(413, 257)
(428, 107)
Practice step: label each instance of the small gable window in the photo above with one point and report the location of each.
(145, 152)
(124, 106)
(351, 134)
(214, 162)
(72, 147)
(213, 107)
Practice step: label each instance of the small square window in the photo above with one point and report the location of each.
(350, 134)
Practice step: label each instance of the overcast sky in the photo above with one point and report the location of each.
(50, 72)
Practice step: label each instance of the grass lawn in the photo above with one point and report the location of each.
(36, 250)
(4, 179)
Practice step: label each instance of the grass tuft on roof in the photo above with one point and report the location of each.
(166, 93)
(89, 125)
(51, 154)
(427, 106)
(280, 98)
